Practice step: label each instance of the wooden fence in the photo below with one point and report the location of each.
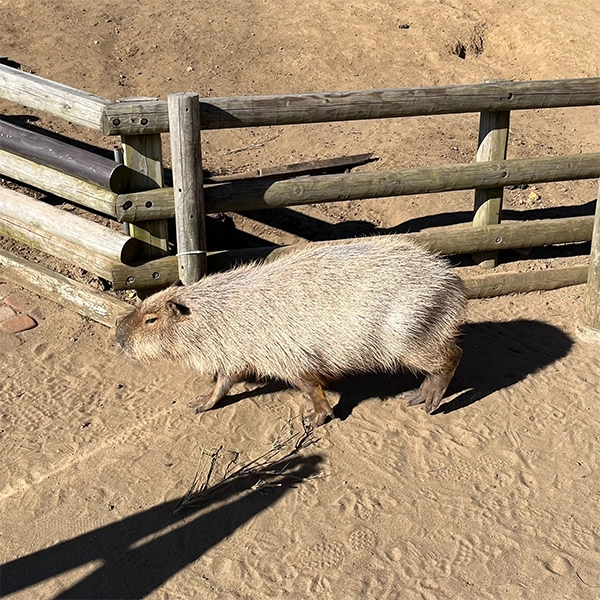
(134, 192)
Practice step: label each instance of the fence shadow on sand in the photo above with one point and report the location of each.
(134, 566)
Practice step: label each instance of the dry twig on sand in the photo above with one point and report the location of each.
(267, 470)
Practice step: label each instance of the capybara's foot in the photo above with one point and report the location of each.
(414, 397)
(201, 404)
(430, 392)
(314, 390)
(429, 397)
(315, 419)
(434, 386)
(223, 385)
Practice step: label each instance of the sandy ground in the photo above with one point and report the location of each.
(495, 496)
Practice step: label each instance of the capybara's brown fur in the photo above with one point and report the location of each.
(315, 314)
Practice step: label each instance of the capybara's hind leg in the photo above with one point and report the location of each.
(435, 384)
(321, 409)
(222, 386)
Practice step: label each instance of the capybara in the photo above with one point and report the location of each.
(312, 315)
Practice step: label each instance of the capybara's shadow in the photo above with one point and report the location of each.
(496, 355)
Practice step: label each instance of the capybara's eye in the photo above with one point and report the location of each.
(150, 320)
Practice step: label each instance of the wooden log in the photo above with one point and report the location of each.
(57, 99)
(186, 157)
(254, 195)
(590, 327)
(71, 238)
(500, 284)
(508, 235)
(221, 113)
(467, 240)
(58, 183)
(143, 154)
(95, 305)
(64, 157)
(493, 142)
(164, 272)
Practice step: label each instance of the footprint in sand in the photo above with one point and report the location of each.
(362, 539)
(324, 555)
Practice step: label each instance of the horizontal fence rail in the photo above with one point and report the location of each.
(74, 239)
(242, 196)
(57, 99)
(90, 303)
(58, 183)
(133, 117)
(446, 240)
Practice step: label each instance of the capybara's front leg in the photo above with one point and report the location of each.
(222, 387)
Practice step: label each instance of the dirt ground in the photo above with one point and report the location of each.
(495, 496)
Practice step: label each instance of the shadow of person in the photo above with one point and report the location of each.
(141, 552)
(496, 355)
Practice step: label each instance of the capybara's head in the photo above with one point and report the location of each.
(152, 329)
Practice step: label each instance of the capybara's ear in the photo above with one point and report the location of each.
(177, 283)
(177, 310)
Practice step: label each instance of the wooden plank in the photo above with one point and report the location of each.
(95, 305)
(143, 154)
(64, 157)
(500, 284)
(254, 195)
(493, 143)
(58, 183)
(81, 242)
(57, 99)
(313, 167)
(248, 111)
(590, 328)
(186, 158)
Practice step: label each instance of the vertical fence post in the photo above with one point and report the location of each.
(143, 154)
(186, 160)
(590, 328)
(493, 142)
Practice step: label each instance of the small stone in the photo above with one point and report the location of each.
(16, 301)
(37, 315)
(17, 324)
(6, 312)
(190, 69)
(404, 25)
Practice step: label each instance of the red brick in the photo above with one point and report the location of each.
(6, 312)
(17, 324)
(17, 301)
